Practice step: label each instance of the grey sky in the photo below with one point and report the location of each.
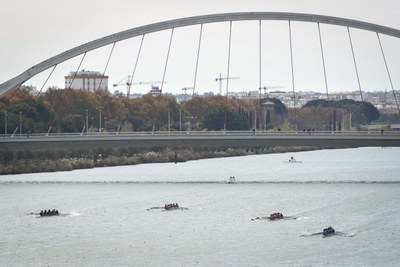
(32, 31)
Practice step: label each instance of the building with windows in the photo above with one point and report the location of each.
(87, 80)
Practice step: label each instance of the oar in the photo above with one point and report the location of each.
(155, 208)
(319, 233)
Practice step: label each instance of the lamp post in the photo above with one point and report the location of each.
(180, 120)
(255, 120)
(87, 122)
(5, 123)
(169, 129)
(99, 120)
(20, 123)
(105, 124)
(265, 119)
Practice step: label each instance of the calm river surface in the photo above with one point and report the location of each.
(106, 221)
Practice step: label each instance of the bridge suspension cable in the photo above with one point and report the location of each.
(105, 68)
(166, 61)
(48, 77)
(388, 72)
(259, 58)
(323, 61)
(292, 67)
(229, 58)
(355, 63)
(128, 93)
(197, 59)
(76, 72)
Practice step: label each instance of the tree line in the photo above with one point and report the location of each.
(74, 111)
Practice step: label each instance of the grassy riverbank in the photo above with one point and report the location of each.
(13, 162)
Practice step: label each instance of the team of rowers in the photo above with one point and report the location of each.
(328, 231)
(171, 206)
(273, 216)
(49, 212)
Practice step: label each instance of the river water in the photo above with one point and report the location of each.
(105, 221)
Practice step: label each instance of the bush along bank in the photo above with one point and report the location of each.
(17, 162)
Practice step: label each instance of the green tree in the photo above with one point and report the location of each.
(73, 123)
(215, 120)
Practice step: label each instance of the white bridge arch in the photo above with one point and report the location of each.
(182, 22)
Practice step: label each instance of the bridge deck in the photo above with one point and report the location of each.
(204, 139)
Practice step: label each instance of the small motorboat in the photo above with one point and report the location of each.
(275, 216)
(328, 231)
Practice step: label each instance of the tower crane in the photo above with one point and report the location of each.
(220, 78)
(129, 84)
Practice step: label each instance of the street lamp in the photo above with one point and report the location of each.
(5, 123)
(87, 122)
(100, 120)
(169, 119)
(105, 124)
(20, 123)
(255, 119)
(180, 120)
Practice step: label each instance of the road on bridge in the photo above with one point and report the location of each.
(203, 139)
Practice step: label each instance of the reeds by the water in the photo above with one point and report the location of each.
(61, 160)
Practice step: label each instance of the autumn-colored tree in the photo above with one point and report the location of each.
(21, 105)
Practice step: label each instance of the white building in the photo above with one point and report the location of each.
(87, 80)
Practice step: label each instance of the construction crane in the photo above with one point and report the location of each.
(129, 84)
(220, 78)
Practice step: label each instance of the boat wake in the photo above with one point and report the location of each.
(337, 233)
(208, 182)
(60, 214)
(164, 209)
(269, 219)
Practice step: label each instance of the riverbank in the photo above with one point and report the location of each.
(69, 163)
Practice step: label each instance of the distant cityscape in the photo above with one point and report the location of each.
(94, 81)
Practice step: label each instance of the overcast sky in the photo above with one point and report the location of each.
(33, 31)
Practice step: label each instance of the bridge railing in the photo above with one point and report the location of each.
(203, 133)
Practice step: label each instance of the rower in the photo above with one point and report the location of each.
(328, 231)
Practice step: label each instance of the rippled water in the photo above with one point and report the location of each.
(356, 191)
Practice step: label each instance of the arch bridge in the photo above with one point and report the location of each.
(200, 20)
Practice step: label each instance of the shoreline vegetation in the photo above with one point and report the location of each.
(21, 162)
